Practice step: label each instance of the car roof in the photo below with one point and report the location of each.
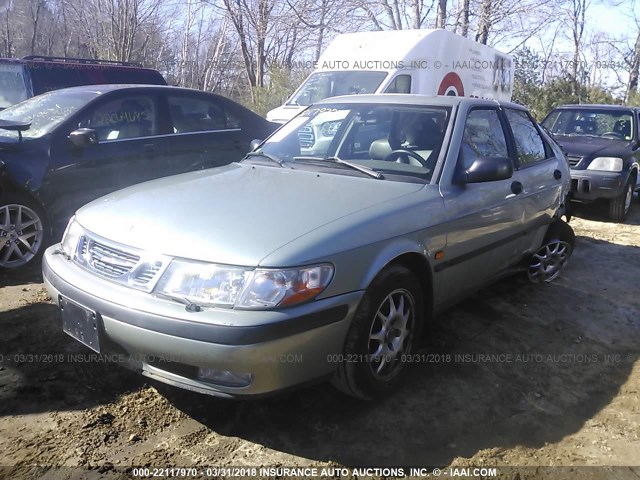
(110, 87)
(415, 99)
(595, 106)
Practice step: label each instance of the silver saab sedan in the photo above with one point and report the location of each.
(323, 253)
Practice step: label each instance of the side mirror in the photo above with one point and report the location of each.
(486, 169)
(255, 143)
(83, 137)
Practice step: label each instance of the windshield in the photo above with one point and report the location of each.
(45, 112)
(12, 86)
(395, 140)
(597, 123)
(321, 85)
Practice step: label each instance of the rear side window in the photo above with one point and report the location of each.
(47, 76)
(529, 143)
(133, 75)
(199, 114)
(483, 137)
(127, 117)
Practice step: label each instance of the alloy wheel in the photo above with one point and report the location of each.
(391, 334)
(21, 235)
(547, 263)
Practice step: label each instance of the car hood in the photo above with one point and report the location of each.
(581, 146)
(237, 214)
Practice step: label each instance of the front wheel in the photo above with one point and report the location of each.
(619, 207)
(23, 231)
(385, 329)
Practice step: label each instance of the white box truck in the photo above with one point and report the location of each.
(432, 62)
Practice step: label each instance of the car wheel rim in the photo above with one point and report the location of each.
(548, 261)
(21, 235)
(627, 200)
(391, 334)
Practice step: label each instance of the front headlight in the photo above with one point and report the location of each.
(608, 164)
(202, 283)
(72, 234)
(219, 285)
(274, 288)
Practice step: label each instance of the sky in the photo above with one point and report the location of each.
(614, 18)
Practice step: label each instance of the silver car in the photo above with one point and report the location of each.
(323, 253)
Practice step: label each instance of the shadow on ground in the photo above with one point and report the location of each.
(599, 211)
(515, 364)
(42, 369)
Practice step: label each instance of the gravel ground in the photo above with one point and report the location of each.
(518, 376)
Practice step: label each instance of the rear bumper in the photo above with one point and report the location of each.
(587, 185)
(158, 338)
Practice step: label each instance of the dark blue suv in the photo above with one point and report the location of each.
(602, 144)
(67, 147)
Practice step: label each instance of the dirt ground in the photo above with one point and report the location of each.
(520, 377)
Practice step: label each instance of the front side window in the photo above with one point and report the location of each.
(321, 85)
(200, 115)
(400, 84)
(612, 124)
(45, 112)
(483, 137)
(127, 117)
(392, 139)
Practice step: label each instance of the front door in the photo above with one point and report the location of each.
(126, 125)
(484, 235)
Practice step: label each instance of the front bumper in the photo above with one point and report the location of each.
(589, 185)
(279, 349)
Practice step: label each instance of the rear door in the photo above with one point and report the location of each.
(126, 124)
(539, 175)
(202, 132)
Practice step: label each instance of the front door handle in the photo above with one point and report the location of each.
(516, 187)
(149, 150)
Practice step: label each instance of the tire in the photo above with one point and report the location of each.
(553, 255)
(619, 207)
(365, 372)
(24, 231)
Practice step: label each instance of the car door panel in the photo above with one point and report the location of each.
(485, 231)
(204, 133)
(78, 175)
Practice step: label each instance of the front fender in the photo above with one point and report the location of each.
(393, 250)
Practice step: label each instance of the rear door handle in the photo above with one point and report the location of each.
(557, 174)
(516, 187)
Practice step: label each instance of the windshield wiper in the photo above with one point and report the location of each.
(189, 306)
(265, 155)
(361, 168)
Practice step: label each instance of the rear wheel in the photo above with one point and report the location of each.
(552, 257)
(619, 207)
(23, 231)
(385, 329)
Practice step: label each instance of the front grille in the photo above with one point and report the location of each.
(573, 161)
(121, 264)
(146, 272)
(107, 260)
(306, 137)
